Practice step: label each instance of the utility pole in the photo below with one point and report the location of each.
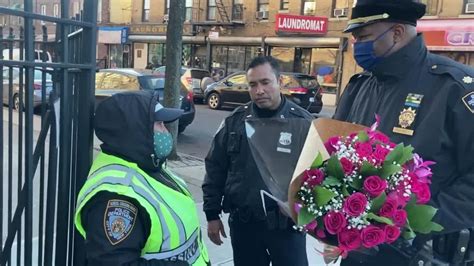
(174, 48)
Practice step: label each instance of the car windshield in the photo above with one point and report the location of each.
(39, 75)
(162, 69)
(151, 82)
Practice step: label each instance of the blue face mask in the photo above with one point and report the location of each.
(364, 53)
(163, 144)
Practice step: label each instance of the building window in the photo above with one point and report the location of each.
(341, 7)
(56, 10)
(211, 9)
(43, 10)
(262, 5)
(309, 7)
(75, 8)
(431, 7)
(189, 10)
(468, 7)
(146, 11)
(238, 10)
(284, 4)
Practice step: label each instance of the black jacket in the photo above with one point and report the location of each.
(232, 178)
(443, 127)
(124, 123)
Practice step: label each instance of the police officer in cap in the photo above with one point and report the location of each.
(423, 99)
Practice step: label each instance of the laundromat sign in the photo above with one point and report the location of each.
(301, 24)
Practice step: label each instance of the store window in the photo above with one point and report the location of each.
(118, 55)
(230, 59)
(341, 7)
(156, 54)
(238, 10)
(262, 5)
(211, 9)
(146, 11)
(466, 58)
(324, 67)
(309, 7)
(285, 57)
(431, 7)
(284, 4)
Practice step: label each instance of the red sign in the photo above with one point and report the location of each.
(451, 34)
(301, 24)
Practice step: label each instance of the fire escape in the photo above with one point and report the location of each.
(226, 14)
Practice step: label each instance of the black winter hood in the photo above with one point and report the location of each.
(124, 123)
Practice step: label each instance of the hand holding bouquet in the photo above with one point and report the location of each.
(369, 192)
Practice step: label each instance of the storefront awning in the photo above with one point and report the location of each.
(162, 39)
(448, 34)
(323, 42)
(229, 40)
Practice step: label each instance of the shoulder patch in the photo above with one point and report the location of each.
(119, 219)
(468, 100)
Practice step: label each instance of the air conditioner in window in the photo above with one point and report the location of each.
(261, 15)
(469, 8)
(340, 12)
(166, 18)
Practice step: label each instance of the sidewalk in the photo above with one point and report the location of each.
(192, 170)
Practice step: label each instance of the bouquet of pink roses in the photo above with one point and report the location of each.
(369, 192)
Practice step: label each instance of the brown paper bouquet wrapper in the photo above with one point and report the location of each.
(320, 131)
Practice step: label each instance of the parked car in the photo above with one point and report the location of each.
(233, 90)
(191, 78)
(37, 86)
(111, 81)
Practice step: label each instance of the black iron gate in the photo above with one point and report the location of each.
(48, 81)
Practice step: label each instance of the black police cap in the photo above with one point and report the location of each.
(366, 12)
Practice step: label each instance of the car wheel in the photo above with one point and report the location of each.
(16, 102)
(214, 101)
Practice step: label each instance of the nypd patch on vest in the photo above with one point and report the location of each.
(468, 100)
(119, 219)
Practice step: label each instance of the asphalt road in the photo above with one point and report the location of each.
(196, 139)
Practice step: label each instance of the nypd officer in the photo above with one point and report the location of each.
(423, 99)
(132, 210)
(233, 181)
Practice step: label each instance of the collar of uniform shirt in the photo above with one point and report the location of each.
(398, 64)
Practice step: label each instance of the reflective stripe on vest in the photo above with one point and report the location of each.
(192, 245)
(166, 251)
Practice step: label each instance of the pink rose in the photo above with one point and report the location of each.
(388, 208)
(311, 226)
(347, 166)
(400, 217)
(372, 236)
(423, 193)
(355, 204)
(320, 233)
(378, 137)
(334, 222)
(349, 239)
(380, 153)
(374, 185)
(314, 177)
(363, 149)
(331, 144)
(391, 233)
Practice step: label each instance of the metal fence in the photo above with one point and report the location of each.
(46, 135)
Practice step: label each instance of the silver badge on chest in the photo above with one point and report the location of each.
(285, 138)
